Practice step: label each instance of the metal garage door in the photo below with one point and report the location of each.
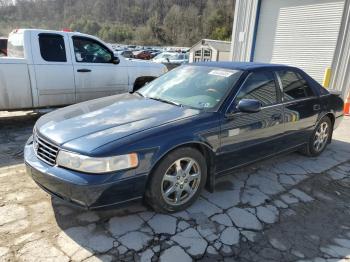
(302, 33)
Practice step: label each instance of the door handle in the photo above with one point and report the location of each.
(316, 107)
(83, 70)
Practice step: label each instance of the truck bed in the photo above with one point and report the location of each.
(15, 85)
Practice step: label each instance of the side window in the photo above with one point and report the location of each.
(90, 51)
(260, 86)
(294, 86)
(52, 48)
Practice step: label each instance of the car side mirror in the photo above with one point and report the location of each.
(115, 60)
(249, 106)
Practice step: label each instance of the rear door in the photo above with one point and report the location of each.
(301, 107)
(246, 137)
(53, 69)
(95, 74)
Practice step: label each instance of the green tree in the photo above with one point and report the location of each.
(169, 22)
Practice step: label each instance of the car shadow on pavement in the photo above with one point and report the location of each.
(14, 133)
(287, 208)
(271, 210)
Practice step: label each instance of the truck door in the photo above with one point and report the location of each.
(53, 69)
(95, 73)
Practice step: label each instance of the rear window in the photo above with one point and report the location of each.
(15, 46)
(294, 86)
(52, 48)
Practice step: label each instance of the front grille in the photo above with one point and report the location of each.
(45, 151)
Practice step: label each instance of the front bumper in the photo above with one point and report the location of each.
(85, 190)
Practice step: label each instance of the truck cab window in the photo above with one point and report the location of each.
(90, 51)
(52, 48)
(294, 86)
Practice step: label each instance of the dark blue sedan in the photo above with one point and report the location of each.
(174, 136)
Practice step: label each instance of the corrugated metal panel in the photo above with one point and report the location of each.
(341, 64)
(243, 29)
(302, 33)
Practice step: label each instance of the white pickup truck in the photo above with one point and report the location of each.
(55, 68)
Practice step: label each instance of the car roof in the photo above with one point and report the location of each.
(242, 65)
(248, 66)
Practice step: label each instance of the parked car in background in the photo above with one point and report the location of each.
(142, 54)
(3, 46)
(177, 134)
(61, 68)
(154, 53)
(171, 57)
(126, 53)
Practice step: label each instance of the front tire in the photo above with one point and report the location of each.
(319, 138)
(177, 180)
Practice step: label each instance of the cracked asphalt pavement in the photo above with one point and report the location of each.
(290, 208)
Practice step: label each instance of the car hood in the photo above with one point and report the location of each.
(85, 126)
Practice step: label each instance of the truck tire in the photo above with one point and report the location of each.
(141, 81)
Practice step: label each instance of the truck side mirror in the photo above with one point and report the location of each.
(115, 60)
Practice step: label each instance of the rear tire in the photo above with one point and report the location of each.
(177, 180)
(319, 138)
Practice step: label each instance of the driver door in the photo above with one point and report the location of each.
(95, 74)
(246, 137)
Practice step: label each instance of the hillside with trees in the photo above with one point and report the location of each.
(144, 22)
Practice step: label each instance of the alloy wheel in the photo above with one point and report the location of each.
(321, 137)
(181, 181)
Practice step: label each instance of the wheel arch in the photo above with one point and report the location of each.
(204, 149)
(331, 117)
(141, 80)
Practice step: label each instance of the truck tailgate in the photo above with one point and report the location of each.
(15, 85)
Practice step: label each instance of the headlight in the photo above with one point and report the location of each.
(96, 165)
(165, 70)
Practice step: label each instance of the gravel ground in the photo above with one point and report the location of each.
(290, 208)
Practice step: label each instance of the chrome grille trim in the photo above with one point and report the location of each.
(45, 150)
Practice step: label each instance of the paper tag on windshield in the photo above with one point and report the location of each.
(222, 73)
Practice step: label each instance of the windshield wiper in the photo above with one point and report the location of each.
(165, 101)
(137, 92)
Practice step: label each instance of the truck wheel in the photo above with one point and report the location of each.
(140, 82)
(177, 180)
(319, 138)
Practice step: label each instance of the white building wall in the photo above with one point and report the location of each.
(301, 33)
(340, 79)
(243, 40)
(224, 56)
(243, 29)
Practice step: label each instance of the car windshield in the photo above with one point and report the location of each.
(199, 87)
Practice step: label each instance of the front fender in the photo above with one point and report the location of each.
(153, 144)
